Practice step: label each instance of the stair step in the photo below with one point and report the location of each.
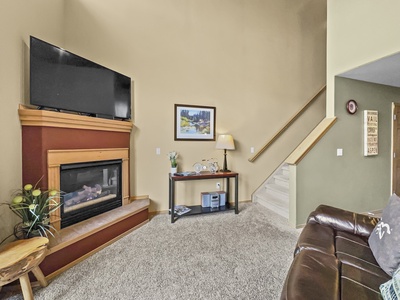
(278, 191)
(274, 204)
(281, 180)
(285, 170)
(274, 193)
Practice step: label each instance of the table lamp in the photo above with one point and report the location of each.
(225, 142)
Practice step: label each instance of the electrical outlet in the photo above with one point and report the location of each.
(218, 185)
(158, 151)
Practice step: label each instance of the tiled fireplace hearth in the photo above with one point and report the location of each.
(51, 140)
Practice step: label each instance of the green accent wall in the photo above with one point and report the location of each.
(352, 181)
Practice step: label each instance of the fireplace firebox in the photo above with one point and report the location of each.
(89, 189)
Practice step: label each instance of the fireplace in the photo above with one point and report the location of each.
(89, 189)
(51, 140)
(68, 159)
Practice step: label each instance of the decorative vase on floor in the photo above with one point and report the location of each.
(174, 170)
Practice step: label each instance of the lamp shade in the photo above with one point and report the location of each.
(225, 141)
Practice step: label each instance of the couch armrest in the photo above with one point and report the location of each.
(312, 275)
(343, 220)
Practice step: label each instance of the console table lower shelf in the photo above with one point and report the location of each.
(198, 209)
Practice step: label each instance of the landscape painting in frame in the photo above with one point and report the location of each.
(195, 123)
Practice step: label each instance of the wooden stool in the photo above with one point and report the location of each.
(20, 257)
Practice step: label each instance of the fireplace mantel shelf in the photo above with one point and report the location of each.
(34, 117)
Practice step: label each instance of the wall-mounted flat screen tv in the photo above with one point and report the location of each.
(64, 81)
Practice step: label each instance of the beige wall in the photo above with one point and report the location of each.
(359, 31)
(18, 20)
(257, 62)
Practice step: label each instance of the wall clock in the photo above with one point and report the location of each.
(351, 106)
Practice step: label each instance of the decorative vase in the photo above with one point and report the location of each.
(23, 232)
(174, 170)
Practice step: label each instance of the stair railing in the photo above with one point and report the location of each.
(287, 125)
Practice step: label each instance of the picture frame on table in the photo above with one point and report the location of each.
(194, 123)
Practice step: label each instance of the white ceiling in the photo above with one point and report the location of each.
(382, 71)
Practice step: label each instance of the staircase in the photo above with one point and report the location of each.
(274, 193)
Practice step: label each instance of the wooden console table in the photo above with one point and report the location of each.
(198, 209)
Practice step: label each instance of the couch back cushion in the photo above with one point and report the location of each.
(343, 220)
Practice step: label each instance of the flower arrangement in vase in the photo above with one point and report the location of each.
(173, 155)
(33, 206)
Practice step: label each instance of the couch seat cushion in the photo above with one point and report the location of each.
(357, 283)
(354, 250)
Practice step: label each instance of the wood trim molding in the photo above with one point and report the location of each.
(55, 158)
(288, 124)
(35, 117)
(136, 198)
(310, 141)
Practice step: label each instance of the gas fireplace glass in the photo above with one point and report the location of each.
(89, 189)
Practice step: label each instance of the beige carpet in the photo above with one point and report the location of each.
(216, 256)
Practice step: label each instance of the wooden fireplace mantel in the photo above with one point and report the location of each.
(44, 118)
(49, 130)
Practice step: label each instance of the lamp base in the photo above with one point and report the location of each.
(225, 167)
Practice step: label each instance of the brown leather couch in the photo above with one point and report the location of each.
(332, 259)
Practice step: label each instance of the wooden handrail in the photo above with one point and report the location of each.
(310, 141)
(286, 126)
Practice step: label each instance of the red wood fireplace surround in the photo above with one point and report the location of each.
(50, 139)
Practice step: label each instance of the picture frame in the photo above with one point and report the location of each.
(194, 123)
(370, 132)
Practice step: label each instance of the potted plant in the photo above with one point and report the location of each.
(173, 155)
(33, 206)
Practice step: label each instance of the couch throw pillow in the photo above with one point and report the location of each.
(384, 240)
(391, 290)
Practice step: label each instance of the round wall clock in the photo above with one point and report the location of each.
(351, 106)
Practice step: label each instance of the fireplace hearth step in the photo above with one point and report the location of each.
(77, 242)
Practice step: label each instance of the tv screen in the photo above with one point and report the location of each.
(62, 80)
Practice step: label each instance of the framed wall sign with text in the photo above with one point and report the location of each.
(370, 132)
(194, 123)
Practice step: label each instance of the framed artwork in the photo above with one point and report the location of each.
(194, 123)
(370, 132)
